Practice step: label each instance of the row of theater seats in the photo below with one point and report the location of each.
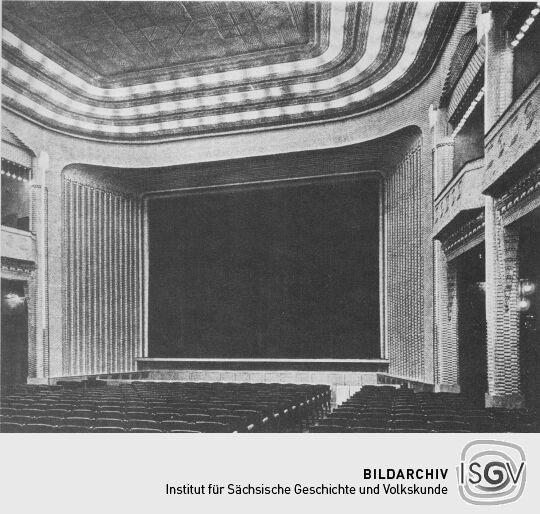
(163, 407)
(387, 409)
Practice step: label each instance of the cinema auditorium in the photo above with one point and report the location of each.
(270, 217)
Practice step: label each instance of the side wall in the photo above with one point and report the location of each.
(102, 234)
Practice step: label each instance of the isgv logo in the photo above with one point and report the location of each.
(491, 472)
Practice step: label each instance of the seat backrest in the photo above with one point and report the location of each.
(236, 422)
(58, 412)
(22, 420)
(109, 429)
(39, 428)
(10, 427)
(195, 417)
(328, 429)
(50, 420)
(78, 421)
(212, 426)
(142, 423)
(177, 425)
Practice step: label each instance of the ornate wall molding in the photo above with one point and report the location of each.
(26, 268)
(464, 236)
(522, 197)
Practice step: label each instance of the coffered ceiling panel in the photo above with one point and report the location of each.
(160, 70)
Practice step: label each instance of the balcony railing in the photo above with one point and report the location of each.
(18, 244)
(516, 132)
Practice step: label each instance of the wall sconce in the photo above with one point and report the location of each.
(13, 301)
(526, 289)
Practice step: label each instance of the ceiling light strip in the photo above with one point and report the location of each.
(413, 44)
(468, 112)
(375, 33)
(526, 25)
(336, 41)
(14, 177)
(379, 14)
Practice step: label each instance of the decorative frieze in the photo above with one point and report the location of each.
(516, 132)
(18, 266)
(464, 234)
(521, 197)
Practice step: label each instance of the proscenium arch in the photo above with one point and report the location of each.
(377, 156)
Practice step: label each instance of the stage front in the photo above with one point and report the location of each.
(280, 279)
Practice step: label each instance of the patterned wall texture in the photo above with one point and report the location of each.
(38, 308)
(102, 280)
(404, 267)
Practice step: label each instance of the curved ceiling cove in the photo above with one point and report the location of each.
(152, 70)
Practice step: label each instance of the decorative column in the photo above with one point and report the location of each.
(443, 145)
(446, 341)
(499, 65)
(39, 363)
(502, 312)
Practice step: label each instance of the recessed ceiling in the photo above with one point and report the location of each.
(309, 62)
(112, 39)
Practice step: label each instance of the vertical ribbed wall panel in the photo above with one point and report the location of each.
(102, 245)
(502, 304)
(39, 311)
(405, 267)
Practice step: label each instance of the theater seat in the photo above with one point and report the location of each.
(50, 420)
(109, 414)
(238, 423)
(176, 425)
(60, 413)
(10, 428)
(73, 429)
(212, 426)
(78, 421)
(142, 423)
(195, 417)
(328, 429)
(107, 422)
(109, 429)
(39, 428)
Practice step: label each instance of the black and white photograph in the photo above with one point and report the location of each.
(271, 217)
